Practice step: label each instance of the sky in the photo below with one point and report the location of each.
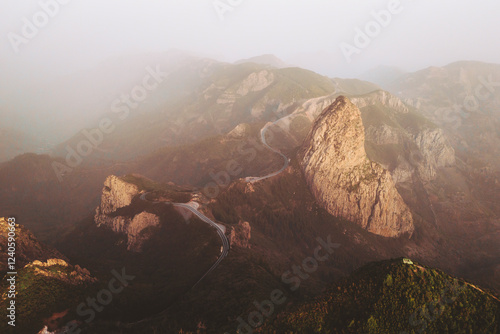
(308, 33)
(43, 41)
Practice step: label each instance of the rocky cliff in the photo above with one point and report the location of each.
(118, 194)
(240, 235)
(28, 248)
(344, 180)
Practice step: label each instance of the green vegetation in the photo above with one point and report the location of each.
(37, 293)
(392, 297)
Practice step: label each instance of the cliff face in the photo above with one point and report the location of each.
(240, 235)
(344, 180)
(118, 194)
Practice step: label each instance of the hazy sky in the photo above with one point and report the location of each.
(303, 32)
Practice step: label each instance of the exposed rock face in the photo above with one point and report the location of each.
(383, 98)
(241, 235)
(139, 230)
(255, 82)
(118, 194)
(436, 150)
(240, 131)
(68, 274)
(344, 181)
(28, 248)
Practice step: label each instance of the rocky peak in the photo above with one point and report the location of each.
(118, 194)
(344, 180)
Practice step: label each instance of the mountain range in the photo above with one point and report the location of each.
(346, 207)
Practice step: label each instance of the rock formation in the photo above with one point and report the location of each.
(28, 248)
(240, 235)
(118, 194)
(61, 270)
(344, 180)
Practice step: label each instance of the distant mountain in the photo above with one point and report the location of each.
(200, 99)
(353, 87)
(394, 296)
(383, 75)
(267, 59)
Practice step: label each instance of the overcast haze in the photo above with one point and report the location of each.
(85, 32)
(308, 34)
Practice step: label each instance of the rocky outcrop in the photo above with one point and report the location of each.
(28, 248)
(140, 229)
(255, 82)
(344, 180)
(118, 194)
(436, 151)
(240, 235)
(61, 270)
(383, 98)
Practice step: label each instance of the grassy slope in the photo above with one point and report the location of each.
(391, 297)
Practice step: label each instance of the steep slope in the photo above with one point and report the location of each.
(45, 286)
(394, 296)
(344, 180)
(464, 99)
(44, 280)
(28, 248)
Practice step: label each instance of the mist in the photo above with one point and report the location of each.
(38, 64)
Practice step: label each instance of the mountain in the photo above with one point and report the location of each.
(464, 99)
(289, 163)
(267, 59)
(344, 180)
(394, 296)
(383, 75)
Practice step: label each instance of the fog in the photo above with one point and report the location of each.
(81, 35)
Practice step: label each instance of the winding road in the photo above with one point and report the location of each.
(263, 131)
(221, 230)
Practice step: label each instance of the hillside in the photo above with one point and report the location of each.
(394, 296)
(45, 282)
(28, 248)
